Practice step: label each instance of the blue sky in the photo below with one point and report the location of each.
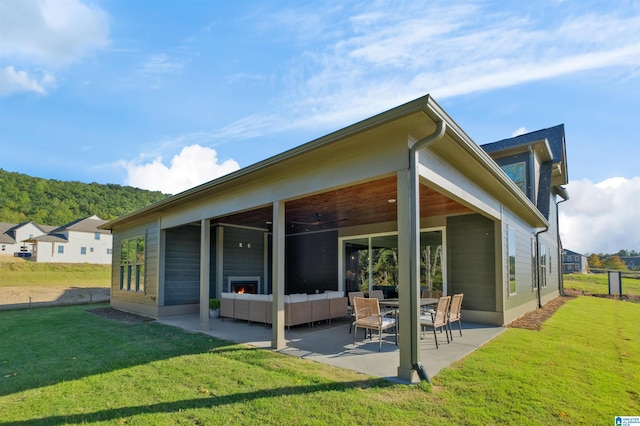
(169, 94)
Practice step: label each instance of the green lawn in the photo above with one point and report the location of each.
(599, 284)
(20, 272)
(67, 366)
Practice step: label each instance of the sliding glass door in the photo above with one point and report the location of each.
(432, 261)
(371, 262)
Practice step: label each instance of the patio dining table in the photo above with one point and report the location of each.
(395, 303)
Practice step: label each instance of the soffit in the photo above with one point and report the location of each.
(355, 205)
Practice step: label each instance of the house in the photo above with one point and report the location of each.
(80, 241)
(632, 262)
(574, 262)
(13, 236)
(409, 181)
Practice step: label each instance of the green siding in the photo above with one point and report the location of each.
(243, 261)
(182, 266)
(312, 262)
(471, 261)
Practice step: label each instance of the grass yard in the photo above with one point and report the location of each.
(17, 272)
(67, 366)
(599, 284)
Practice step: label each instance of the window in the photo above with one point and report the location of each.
(576, 258)
(517, 173)
(511, 249)
(60, 249)
(97, 236)
(91, 249)
(4, 247)
(83, 250)
(544, 262)
(132, 264)
(109, 251)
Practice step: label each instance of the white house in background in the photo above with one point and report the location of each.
(77, 242)
(13, 236)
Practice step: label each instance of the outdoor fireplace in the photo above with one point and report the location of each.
(244, 288)
(244, 284)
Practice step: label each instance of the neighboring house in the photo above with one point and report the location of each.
(632, 262)
(13, 236)
(573, 262)
(298, 222)
(77, 242)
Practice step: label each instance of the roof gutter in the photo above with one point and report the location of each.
(414, 231)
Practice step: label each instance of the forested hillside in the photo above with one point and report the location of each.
(51, 202)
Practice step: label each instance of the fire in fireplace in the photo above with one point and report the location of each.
(246, 284)
(244, 288)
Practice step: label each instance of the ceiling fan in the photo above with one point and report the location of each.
(318, 221)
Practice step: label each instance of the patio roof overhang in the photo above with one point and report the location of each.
(363, 202)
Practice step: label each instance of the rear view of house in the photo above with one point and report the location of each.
(448, 214)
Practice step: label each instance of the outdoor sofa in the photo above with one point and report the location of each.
(298, 308)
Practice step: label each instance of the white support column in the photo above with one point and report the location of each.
(277, 338)
(205, 270)
(408, 273)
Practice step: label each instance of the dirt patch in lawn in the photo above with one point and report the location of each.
(21, 297)
(117, 315)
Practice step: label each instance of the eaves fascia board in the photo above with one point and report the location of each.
(422, 104)
(491, 166)
(541, 146)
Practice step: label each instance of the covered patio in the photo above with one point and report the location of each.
(332, 344)
(408, 182)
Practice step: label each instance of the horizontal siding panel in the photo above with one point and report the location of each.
(243, 261)
(471, 259)
(182, 266)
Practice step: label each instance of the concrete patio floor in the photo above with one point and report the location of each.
(333, 344)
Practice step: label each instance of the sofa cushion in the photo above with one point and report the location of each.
(295, 298)
(332, 294)
(321, 296)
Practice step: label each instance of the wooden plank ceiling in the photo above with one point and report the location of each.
(365, 203)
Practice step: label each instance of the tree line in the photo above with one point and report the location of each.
(611, 261)
(52, 202)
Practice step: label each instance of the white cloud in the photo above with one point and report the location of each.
(51, 32)
(382, 55)
(193, 166)
(518, 132)
(12, 81)
(387, 55)
(601, 217)
(160, 64)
